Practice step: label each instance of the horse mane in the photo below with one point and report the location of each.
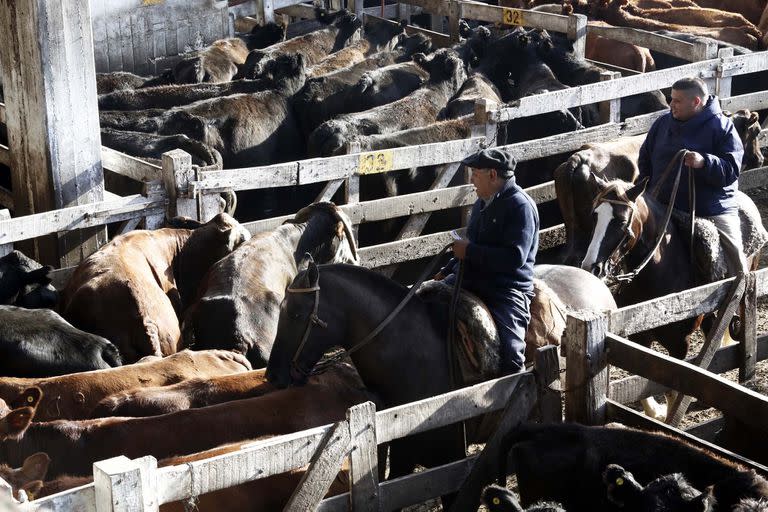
(618, 188)
(358, 274)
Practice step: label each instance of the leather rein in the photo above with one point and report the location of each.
(615, 259)
(315, 320)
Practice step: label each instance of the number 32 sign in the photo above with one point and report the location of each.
(375, 162)
(513, 17)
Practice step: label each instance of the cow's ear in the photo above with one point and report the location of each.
(30, 397)
(16, 422)
(420, 59)
(484, 32)
(638, 189)
(36, 466)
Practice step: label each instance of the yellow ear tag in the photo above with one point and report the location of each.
(496, 501)
(30, 399)
(619, 481)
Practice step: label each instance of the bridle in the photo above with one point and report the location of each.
(314, 319)
(615, 259)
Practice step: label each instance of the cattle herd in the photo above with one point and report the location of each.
(157, 344)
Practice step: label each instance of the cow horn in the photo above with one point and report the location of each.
(347, 230)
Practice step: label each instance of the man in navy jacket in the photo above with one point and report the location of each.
(500, 250)
(696, 123)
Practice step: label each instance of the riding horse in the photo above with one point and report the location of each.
(633, 228)
(405, 360)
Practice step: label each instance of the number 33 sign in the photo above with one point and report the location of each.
(513, 17)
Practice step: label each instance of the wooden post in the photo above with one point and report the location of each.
(265, 11)
(49, 76)
(484, 470)
(586, 377)
(577, 33)
(483, 125)
(610, 111)
(723, 83)
(404, 12)
(352, 183)
(125, 485)
(5, 248)
(153, 190)
(547, 369)
(177, 173)
(454, 16)
(749, 322)
(363, 462)
(708, 51)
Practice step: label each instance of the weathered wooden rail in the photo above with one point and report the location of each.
(121, 484)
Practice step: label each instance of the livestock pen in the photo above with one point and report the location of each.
(178, 187)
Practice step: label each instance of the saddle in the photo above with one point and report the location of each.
(710, 256)
(478, 345)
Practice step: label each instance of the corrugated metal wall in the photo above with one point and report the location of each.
(136, 35)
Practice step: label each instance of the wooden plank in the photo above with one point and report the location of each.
(177, 175)
(751, 101)
(707, 430)
(679, 406)
(403, 250)
(279, 175)
(323, 468)
(547, 371)
(438, 39)
(6, 198)
(52, 116)
(329, 190)
(577, 34)
(627, 416)
(5, 156)
(254, 461)
(753, 178)
(81, 499)
(78, 217)
(324, 169)
(363, 461)
(448, 408)
(632, 389)
(748, 346)
(664, 44)
(587, 375)
(415, 225)
(485, 467)
(550, 238)
(5, 248)
(610, 111)
(129, 166)
(603, 91)
(711, 389)
(411, 489)
(431, 6)
(674, 307)
(124, 485)
(503, 16)
(744, 64)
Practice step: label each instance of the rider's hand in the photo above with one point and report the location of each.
(460, 248)
(439, 276)
(694, 160)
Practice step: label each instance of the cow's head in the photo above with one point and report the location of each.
(25, 283)
(328, 236)
(385, 36)
(475, 45)
(747, 125)
(444, 66)
(287, 72)
(29, 478)
(415, 43)
(267, 35)
(14, 422)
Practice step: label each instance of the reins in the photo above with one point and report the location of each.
(315, 320)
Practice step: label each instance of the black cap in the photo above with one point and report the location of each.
(492, 158)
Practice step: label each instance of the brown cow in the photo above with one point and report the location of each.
(618, 53)
(752, 10)
(133, 290)
(28, 478)
(747, 124)
(73, 397)
(16, 415)
(623, 14)
(616, 159)
(75, 445)
(217, 63)
(188, 394)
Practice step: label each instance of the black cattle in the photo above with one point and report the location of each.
(314, 46)
(151, 147)
(668, 493)
(262, 36)
(118, 81)
(565, 463)
(246, 129)
(446, 75)
(39, 343)
(274, 71)
(25, 283)
(499, 499)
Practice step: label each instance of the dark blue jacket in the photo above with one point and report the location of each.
(504, 238)
(710, 133)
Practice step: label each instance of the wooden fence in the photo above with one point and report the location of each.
(121, 484)
(595, 343)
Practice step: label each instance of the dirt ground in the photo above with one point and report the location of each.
(696, 413)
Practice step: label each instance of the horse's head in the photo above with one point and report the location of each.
(302, 336)
(618, 224)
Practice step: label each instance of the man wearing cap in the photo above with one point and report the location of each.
(500, 250)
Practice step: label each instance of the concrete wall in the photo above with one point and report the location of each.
(137, 35)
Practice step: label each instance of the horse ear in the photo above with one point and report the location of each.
(637, 190)
(754, 118)
(597, 180)
(313, 274)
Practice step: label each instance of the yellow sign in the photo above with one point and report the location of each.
(375, 162)
(513, 17)
(151, 2)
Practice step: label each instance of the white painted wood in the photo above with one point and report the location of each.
(723, 83)
(363, 462)
(415, 224)
(278, 175)
(587, 375)
(124, 485)
(329, 190)
(78, 217)
(752, 101)
(325, 465)
(610, 111)
(79, 499)
(577, 33)
(493, 14)
(129, 166)
(603, 91)
(52, 115)
(177, 175)
(650, 40)
(154, 191)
